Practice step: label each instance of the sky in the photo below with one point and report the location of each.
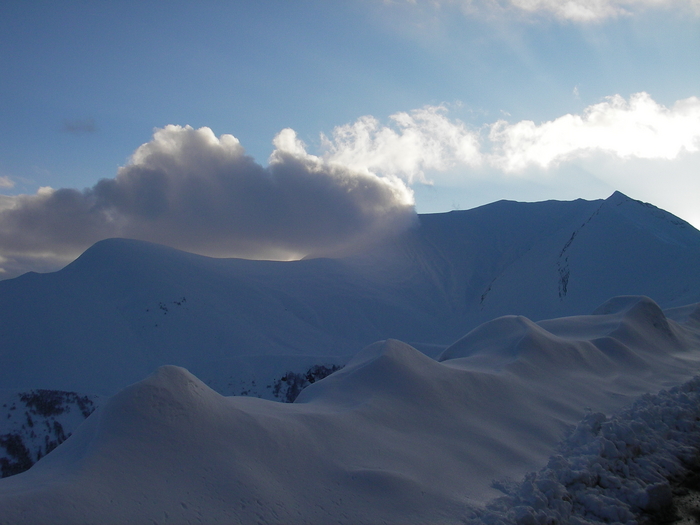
(276, 129)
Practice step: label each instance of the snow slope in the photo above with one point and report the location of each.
(34, 423)
(394, 437)
(126, 307)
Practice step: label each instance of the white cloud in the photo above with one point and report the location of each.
(287, 143)
(638, 128)
(192, 190)
(426, 140)
(606, 147)
(578, 11)
(420, 140)
(595, 10)
(6, 182)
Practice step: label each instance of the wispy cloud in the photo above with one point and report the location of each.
(618, 143)
(595, 10)
(577, 11)
(79, 127)
(415, 141)
(6, 182)
(427, 140)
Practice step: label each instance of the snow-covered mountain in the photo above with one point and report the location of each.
(126, 307)
(423, 431)
(396, 436)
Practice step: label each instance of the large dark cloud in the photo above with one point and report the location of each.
(192, 190)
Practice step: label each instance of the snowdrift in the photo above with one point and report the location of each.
(394, 437)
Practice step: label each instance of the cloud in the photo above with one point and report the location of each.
(426, 140)
(578, 11)
(423, 139)
(594, 10)
(6, 182)
(79, 127)
(192, 190)
(616, 144)
(638, 128)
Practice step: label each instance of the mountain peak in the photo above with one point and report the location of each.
(618, 198)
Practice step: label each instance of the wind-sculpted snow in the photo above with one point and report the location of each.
(394, 436)
(35, 422)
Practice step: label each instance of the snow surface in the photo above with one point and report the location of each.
(398, 437)
(610, 469)
(126, 307)
(35, 422)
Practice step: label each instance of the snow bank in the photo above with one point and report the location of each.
(169, 449)
(610, 470)
(393, 437)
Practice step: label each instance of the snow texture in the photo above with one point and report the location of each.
(611, 469)
(435, 431)
(398, 437)
(33, 423)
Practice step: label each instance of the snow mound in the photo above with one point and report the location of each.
(513, 341)
(391, 368)
(168, 397)
(170, 449)
(502, 336)
(624, 332)
(393, 437)
(640, 306)
(640, 318)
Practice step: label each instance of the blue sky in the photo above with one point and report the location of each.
(460, 103)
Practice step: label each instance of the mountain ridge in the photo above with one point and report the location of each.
(125, 307)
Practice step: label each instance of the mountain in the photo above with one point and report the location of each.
(126, 307)
(395, 436)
